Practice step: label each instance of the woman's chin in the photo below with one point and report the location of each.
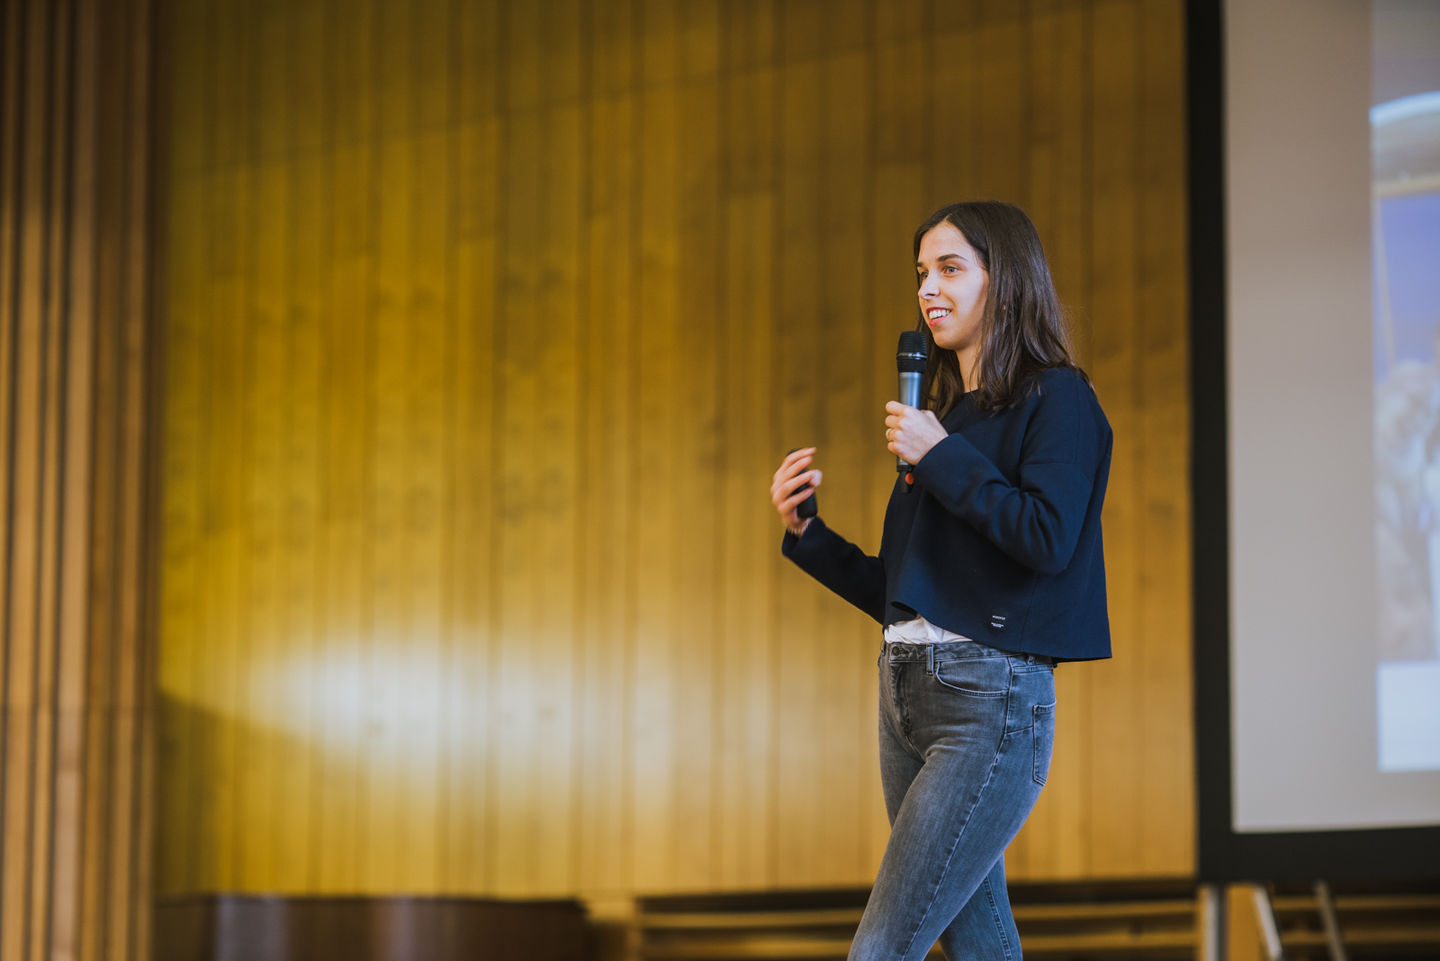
(947, 341)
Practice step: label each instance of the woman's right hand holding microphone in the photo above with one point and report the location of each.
(786, 491)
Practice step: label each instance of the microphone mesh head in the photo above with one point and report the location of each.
(910, 355)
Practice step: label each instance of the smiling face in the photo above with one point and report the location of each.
(953, 287)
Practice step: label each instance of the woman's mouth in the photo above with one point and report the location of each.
(934, 315)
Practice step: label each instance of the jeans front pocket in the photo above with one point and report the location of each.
(975, 676)
(1042, 731)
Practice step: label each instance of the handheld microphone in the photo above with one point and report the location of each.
(808, 507)
(910, 362)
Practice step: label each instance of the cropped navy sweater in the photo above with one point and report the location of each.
(999, 539)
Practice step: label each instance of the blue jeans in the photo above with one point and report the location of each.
(966, 733)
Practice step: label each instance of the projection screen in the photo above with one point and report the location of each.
(1315, 201)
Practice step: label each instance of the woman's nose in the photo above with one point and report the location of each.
(928, 287)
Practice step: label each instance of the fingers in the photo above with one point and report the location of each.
(784, 489)
(901, 417)
(785, 486)
(805, 454)
(788, 487)
(911, 432)
(792, 504)
(793, 463)
(896, 413)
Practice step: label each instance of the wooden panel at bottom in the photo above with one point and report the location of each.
(369, 929)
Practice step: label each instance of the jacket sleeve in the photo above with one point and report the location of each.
(1037, 520)
(840, 566)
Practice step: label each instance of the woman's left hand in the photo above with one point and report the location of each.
(910, 433)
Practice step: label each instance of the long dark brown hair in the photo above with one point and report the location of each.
(1022, 326)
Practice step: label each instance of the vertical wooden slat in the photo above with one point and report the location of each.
(681, 244)
(23, 648)
(314, 145)
(658, 611)
(694, 404)
(1055, 841)
(301, 524)
(475, 171)
(185, 545)
(1001, 64)
(12, 64)
(607, 333)
(1115, 802)
(73, 707)
(117, 646)
(134, 749)
(54, 321)
(225, 446)
(277, 780)
(853, 419)
(538, 315)
(745, 752)
(950, 148)
(260, 745)
(209, 676)
(559, 306)
(350, 110)
(105, 550)
(391, 645)
(182, 747)
(804, 616)
(518, 601)
(1167, 831)
(431, 444)
(112, 550)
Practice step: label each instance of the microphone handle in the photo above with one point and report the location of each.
(910, 397)
(808, 507)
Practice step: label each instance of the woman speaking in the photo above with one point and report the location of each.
(990, 571)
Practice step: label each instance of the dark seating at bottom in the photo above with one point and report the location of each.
(292, 928)
(1147, 919)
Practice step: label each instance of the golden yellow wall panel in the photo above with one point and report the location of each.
(487, 325)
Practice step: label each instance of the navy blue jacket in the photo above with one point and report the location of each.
(999, 539)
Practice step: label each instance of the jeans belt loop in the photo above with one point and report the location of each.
(929, 660)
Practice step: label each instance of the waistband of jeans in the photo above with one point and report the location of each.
(899, 651)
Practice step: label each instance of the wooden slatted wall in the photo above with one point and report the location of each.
(487, 325)
(77, 411)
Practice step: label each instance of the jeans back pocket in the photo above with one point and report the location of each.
(1042, 730)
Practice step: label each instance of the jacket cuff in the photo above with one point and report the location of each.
(798, 548)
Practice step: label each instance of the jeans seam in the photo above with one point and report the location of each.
(995, 916)
(954, 845)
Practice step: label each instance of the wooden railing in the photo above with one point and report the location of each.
(1397, 921)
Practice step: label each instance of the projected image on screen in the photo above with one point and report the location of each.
(1405, 155)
